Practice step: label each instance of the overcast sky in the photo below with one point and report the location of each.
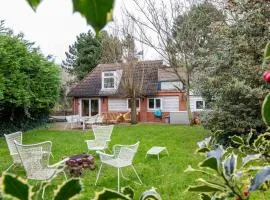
(53, 27)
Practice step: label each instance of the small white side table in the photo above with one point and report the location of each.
(156, 151)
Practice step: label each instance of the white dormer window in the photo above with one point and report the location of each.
(108, 80)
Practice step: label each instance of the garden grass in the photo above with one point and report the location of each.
(166, 175)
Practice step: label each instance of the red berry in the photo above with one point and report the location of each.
(246, 193)
(266, 76)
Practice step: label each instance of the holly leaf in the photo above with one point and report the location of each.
(267, 51)
(34, 3)
(15, 187)
(266, 110)
(96, 12)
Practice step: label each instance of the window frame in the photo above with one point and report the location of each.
(203, 104)
(155, 106)
(114, 80)
(137, 108)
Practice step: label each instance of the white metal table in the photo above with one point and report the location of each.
(156, 150)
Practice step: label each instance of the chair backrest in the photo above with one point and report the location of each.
(17, 136)
(34, 157)
(99, 119)
(72, 118)
(102, 132)
(126, 152)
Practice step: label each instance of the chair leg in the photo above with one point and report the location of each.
(52, 155)
(98, 174)
(9, 167)
(118, 179)
(136, 174)
(65, 174)
(43, 191)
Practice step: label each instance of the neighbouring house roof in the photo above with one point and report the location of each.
(91, 85)
(166, 73)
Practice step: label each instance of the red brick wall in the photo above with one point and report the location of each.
(104, 104)
(75, 106)
(145, 116)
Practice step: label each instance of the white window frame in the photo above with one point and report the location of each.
(136, 106)
(113, 76)
(155, 107)
(200, 108)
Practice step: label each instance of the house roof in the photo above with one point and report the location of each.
(90, 86)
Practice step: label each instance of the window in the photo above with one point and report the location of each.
(137, 103)
(199, 105)
(108, 80)
(154, 103)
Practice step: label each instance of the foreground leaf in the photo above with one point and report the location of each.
(128, 191)
(107, 194)
(204, 196)
(15, 187)
(34, 3)
(217, 153)
(205, 188)
(69, 189)
(266, 110)
(250, 158)
(211, 163)
(259, 179)
(230, 165)
(96, 12)
(237, 139)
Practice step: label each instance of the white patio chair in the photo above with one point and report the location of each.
(102, 138)
(72, 120)
(89, 121)
(12, 148)
(122, 157)
(99, 119)
(35, 160)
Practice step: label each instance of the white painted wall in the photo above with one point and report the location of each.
(193, 100)
(117, 105)
(170, 103)
(173, 85)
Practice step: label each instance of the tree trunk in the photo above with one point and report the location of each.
(133, 113)
(190, 116)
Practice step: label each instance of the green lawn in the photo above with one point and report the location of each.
(165, 174)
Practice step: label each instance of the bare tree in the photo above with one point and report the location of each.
(133, 74)
(159, 21)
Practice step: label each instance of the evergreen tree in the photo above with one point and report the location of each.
(83, 55)
(230, 75)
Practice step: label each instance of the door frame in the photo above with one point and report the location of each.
(80, 105)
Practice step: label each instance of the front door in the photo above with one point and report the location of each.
(94, 107)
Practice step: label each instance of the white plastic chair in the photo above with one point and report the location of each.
(12, 148)
(71, 120)
(102, 138)
(35, 160)
(122, 157)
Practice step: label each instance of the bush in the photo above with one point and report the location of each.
(29, 84)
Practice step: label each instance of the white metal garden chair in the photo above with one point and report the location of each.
(12, 148)
(72, 120)
(102, 138)
(35, 160)
(89, 121)
(99, 119)
(122, 157)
